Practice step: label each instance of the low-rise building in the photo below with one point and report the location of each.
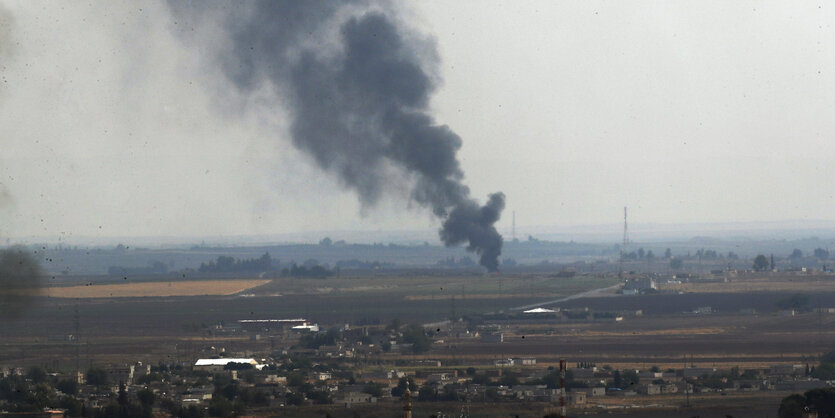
(505, 362)
(576, 398)
(120, 373)
(349, 398)
(697, 372)
(638, 286)
(785, 369)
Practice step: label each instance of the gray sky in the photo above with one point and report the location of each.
(111, 125)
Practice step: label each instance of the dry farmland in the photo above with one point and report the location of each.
(155, 289)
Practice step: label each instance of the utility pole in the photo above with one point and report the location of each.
(77, 324)
(684, 377)
(452, 314)
(562, 388)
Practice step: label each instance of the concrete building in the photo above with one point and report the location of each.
(349, 398)
(120, 373)
(505, 362)
(639, 285)
(577, 398)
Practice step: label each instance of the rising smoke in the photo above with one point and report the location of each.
(6, 25)
(20, 273)
(21, 281)
(360, 108)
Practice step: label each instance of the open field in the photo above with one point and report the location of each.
(155, 289)
(751, 283)
(421, 287)
(152, 328)
(714, 341)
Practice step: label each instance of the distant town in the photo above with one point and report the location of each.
(702, 332)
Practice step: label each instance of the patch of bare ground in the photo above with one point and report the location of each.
(744, 284)
(155, 289)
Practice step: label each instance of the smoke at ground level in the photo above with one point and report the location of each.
(21, 281)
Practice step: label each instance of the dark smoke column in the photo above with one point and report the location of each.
(20, 281)
(361, 110)
(470, 223)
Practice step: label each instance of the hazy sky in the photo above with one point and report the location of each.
(112, 125)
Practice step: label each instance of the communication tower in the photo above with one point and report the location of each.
(623, 246)
(513, 229)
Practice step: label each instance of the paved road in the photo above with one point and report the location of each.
(586, 294)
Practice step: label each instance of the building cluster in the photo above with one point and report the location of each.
(287, 363)
(286, 379)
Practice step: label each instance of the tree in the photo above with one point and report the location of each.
(676, 263)
(319, 397)
(238, 366)
(668, 254)
(821, 254)
(828, 357)
(293, 398)
(146, 397)
(36, 375)
(481, 379)
(68, 386)
(794, 301)
(824, 371)
(508, 379)
(629, 378)
(219, 406)
(296, 380)
(822, 400)
(760, 263)
(394, 325)
(400, 389)
(796, 254)
(373, 389)
(73, 407)
(792, 406)
(96, 377)
(427, 392)
(415, 335)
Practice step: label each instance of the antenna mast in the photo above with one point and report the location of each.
(623, 246)
(513, 230)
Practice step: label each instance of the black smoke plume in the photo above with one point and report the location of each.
(21, 281)
(360, 108)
